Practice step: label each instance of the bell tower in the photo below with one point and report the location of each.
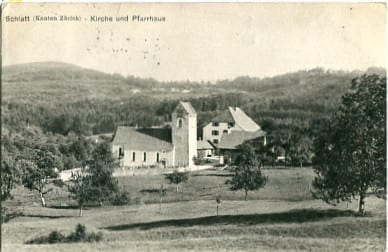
(184, 134)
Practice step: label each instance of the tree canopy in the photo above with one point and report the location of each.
(350, 151)
(248, 175)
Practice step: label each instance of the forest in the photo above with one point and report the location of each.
(57, 103)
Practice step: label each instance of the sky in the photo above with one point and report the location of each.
(200, 42)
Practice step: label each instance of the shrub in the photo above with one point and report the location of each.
(138, 201)
(94, 237)
(55, 237)
(80, 235)
(121, 198)
(80, 232)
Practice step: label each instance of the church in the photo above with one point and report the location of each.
(178, 145)
(160, 147)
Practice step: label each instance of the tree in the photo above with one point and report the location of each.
(94, 182)
(177, 178)
(350, 151)
(9, 174)
(248, 175)
(39, 171)
(78, 187)
(300, 150)
(162, 194)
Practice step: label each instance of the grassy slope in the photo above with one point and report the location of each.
(253, 225)
(283, 184)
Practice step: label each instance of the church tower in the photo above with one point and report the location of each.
(184, 134)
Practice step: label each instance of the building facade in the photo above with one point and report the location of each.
(159, 147)
(233, 119)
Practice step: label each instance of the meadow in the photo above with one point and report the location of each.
(282, 216)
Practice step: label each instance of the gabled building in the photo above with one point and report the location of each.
(164, 147)
(226, 124)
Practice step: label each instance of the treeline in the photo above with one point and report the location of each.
(90, 117)
(293, 102)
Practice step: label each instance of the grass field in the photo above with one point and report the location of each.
(281, 216)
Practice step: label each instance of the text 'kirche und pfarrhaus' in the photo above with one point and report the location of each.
(92, 18)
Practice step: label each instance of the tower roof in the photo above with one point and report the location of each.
(188, 107)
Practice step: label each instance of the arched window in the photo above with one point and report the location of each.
(180, 122)
(145, 156)
(157, 157)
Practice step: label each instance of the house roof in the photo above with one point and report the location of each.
(204, 145)
(188, 107)
(237, 116)
(237, 137)
(145, 139)
(224, 116)
(243, 120)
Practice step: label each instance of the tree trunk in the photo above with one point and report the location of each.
(42, 200)
(177, 188)
(80, 210)
(361, 205)
(246, 194)
(160, 204)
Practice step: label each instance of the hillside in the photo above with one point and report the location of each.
(53, 94)
(55, 82)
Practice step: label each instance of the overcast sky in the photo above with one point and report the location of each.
(201, 41)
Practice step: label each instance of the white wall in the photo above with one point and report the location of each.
(150, 158)
(207, 131)
(192, 139)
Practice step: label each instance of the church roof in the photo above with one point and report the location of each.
(237, 137)
(144, 139)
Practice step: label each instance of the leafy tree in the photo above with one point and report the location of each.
(94, 182)
(39, 172)
(301, 149)
(10, 174)
(248, 175)
(350, 151)
(101, 169)
(177, 178)
(78, 187)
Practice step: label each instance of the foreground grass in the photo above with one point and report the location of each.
(252, 225)
(282, 216)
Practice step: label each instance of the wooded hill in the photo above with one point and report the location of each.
(47, 93)
(56, 101)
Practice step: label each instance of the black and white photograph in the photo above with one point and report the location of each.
(193, 126)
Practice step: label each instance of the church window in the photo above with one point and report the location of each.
(145, 156)
(133, 156)
(180, 123)
(157, 157)
(121, 152)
